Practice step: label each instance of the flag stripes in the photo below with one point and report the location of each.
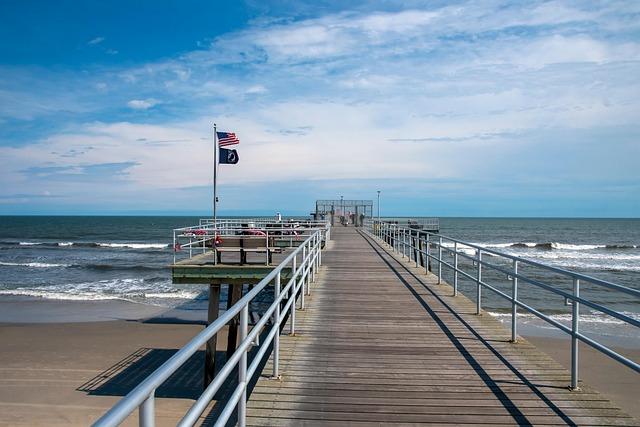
(227, 138)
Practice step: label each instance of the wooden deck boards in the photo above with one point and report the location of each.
(381, 343)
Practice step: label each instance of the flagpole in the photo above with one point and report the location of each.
(215, 190)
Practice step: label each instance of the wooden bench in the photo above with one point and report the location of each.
(244, 245)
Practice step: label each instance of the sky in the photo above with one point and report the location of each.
(449, 108)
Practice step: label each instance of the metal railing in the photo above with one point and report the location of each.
(429, 223)
(304, 262)
(198, 239)
(427, 248)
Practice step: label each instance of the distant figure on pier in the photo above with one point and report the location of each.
(278, 217)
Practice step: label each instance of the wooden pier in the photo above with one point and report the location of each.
(381, 342)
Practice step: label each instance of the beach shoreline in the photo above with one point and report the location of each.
(27, 310)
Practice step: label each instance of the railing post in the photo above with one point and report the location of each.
(404, 243)
(514, 306)
(396, 243)
(575, 320)
(292, 294)
(310, 254)
(478, 280)
(455, 269)
(276, 324)
(146, 416)
(242, 367)
(303, 279)
(428, 266)
(314, 259)
(416, 247)
(440, 260)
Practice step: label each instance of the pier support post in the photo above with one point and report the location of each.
(234, 295)
(210, 348)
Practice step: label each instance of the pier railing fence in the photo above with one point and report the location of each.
(303, 262)
(209, 235)
(433, 251)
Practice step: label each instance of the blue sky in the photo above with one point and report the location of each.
(480, 108)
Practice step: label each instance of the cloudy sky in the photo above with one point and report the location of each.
(479, 108)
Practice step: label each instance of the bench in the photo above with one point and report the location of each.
(244, 245)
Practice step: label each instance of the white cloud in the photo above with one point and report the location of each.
(256, 90)
(96, 40)
(449, 93)
(142, 104)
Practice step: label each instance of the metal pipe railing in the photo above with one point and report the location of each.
(142, 397)
(206, 235)
(388, 232)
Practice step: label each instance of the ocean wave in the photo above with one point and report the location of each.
(132, 290)
(116, 245)
(544, 245)
(134, 245)
(33, 264)
(111, 267)
(596, 318)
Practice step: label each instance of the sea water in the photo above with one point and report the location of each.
(126, 258)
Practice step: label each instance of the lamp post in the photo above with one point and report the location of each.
(342, 210)
(378, 206)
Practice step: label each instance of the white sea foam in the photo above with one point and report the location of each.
(65, 296)
(595, 318)
(134, 245)
(33, 264)
(135, 290)
(129, 245)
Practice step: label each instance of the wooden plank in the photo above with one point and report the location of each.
(380, 342)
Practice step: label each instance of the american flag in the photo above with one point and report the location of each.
(227, 138)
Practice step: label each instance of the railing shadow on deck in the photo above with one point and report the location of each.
(491, 383)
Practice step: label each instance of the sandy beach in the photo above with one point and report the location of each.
(71, 373)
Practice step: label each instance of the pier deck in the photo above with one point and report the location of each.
(381, 342)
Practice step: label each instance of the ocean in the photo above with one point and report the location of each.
(90, 258)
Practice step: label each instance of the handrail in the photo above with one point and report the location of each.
(419, 245)
(302, 275)
(198, 236)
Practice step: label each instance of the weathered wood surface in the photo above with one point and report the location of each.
(381, 343)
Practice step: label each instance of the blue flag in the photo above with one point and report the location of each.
(228, 157)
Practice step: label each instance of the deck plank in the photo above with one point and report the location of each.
(380, 342)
